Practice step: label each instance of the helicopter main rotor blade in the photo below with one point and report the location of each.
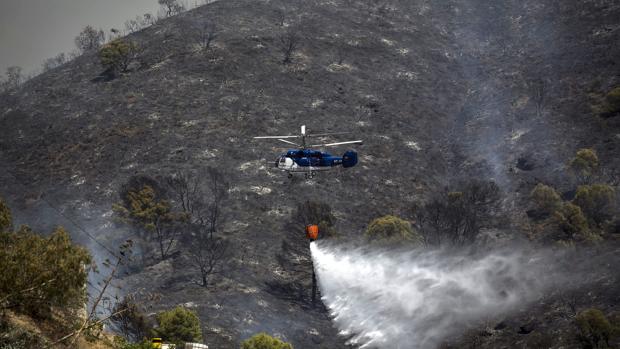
(275, 137)
(289, 142)
(337, 143)
(327, 134)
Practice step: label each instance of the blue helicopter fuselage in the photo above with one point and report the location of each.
(308, 157)
(298, 160)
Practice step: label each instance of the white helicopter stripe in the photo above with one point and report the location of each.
(306, 169)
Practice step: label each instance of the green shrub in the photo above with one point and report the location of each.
(122, 343)
(178, 325)
(117, 55)
(594, 328)
(39, 273)
(14, 336)
(142, 208)
(572, 222)
(540, 340)
(584, 164)
(6, 220)
(596, 201)
(546, 198)
(151, 215)
(264, 341)
(611, 104)
(391, 228)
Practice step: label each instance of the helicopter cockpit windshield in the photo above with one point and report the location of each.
(279, 159)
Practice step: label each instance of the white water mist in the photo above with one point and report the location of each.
(417, 299)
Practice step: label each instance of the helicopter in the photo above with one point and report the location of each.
(309, 161)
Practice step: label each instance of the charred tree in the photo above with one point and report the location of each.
(205, 34)
(171, 7)
(294, 257)
(539, 91)
(289, 42)
(146, 207)
(208, 253)
(457, 216)
(129, 318)
(201, 33)
(201, 198)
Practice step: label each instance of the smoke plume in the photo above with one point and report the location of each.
(417, 299)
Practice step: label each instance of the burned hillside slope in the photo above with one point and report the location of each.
(440, 92)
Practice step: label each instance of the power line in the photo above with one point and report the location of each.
(72, 221)
(106, 292)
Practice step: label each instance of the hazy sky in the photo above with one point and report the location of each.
(33, 30)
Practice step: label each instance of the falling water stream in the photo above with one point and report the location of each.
(382, 298)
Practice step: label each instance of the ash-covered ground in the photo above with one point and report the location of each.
(438, 91)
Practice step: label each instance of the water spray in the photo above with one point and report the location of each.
(420, 298)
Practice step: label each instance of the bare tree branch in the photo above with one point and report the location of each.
(89, 320)
(457, 216)
(76, 334)
(289, 42)
(202, 202)
(30, 289)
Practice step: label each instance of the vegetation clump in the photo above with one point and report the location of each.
(584, 165)
(595, 330)
(611, 104)
(40, 273)
(264, 341)
(144, 207)
(546, 199)
(6, 219)
(116, 55)
(17, 337)
(590, 213)
(122, 343)
(596, 201)
(573, 223)
(392, 228)
(178, 325)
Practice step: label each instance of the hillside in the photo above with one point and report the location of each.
(439, 92)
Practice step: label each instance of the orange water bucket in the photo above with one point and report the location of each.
(312, 232)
